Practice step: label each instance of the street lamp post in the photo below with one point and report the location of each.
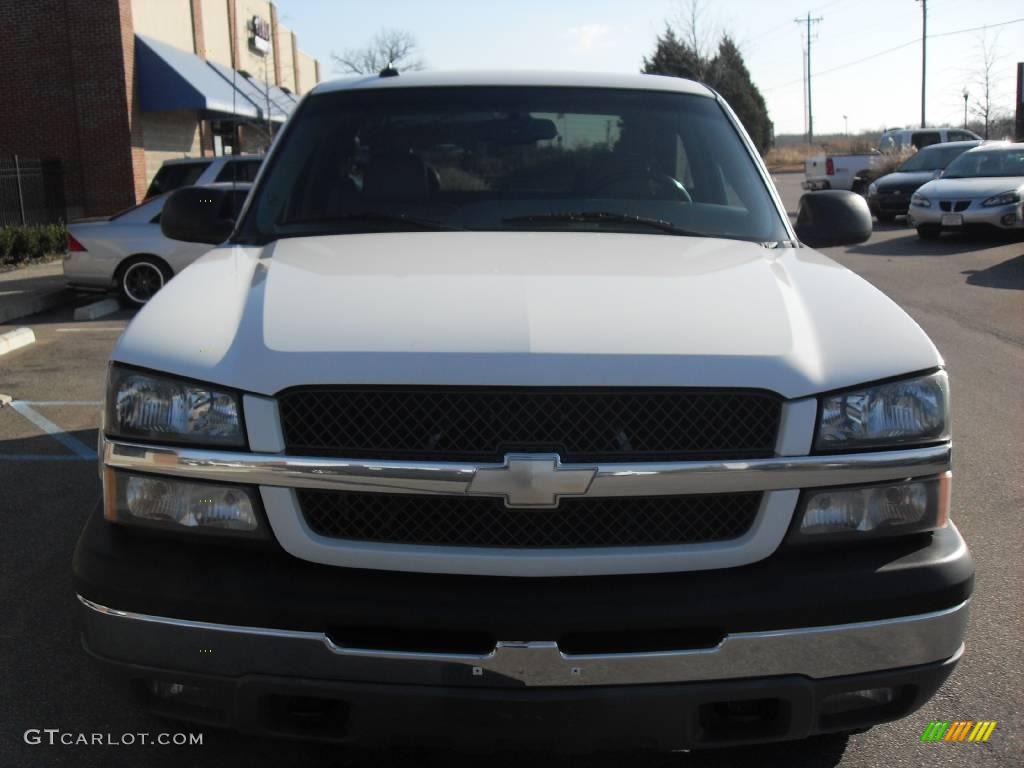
(846, 126)
(966, 95)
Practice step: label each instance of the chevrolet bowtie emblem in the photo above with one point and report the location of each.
(531, 480)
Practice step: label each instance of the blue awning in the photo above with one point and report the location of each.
(285, 100)
(170, 78)
(256, 92)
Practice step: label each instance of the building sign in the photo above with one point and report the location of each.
(259, 37)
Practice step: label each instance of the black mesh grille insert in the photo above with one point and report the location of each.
(482, 424)
(469, 521)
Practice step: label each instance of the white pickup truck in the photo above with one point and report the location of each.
(512, 410)
(824, 171)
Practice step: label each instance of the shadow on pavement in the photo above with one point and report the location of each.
(65, 315)
(1007, 274)
(912, 245)
(818, 752)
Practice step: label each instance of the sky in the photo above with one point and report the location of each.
(615, 35)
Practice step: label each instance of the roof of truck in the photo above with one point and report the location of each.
(516, 77)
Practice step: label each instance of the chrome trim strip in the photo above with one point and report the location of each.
(627, 479)
(816, 652)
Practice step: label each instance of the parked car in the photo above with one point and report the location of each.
(856, 171)
(904, 139)
(513, 411)
(889, 195)
(128, 253)
(198, 171)
(981, 188)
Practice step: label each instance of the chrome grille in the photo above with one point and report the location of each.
(468, 521)
(485, 423)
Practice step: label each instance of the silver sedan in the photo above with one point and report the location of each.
(984, 186)
(128, 253)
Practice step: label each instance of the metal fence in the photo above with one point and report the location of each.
(31, 191)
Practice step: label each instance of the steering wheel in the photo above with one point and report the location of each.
(660, 186)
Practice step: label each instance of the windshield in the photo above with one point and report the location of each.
(519, 158)
(935, 158)
(991, 162)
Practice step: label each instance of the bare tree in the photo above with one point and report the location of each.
(694, 30)
(986, 103)
(389, 47)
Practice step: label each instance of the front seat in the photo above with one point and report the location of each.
(398, 177)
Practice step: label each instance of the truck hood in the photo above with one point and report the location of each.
(523, 308)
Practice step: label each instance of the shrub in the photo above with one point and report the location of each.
(19, 244)
(6, 243)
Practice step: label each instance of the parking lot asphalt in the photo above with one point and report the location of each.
(967, 294)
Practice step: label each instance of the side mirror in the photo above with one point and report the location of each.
(833, 217)
(198, 215)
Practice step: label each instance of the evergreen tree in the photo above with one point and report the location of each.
(675, 58)
(726, 73)
(730, 77)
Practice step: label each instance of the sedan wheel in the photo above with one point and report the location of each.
(141, 279)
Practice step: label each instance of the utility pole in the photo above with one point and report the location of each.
(924, 53)
(967, 95)
(803, 65)
(810, 111)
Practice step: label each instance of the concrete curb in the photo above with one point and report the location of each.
(97, 309)
(12, 340)
(22, 306)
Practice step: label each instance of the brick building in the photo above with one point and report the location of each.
(112, 88)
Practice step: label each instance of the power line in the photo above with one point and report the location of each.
(776, 28)
(893, 49)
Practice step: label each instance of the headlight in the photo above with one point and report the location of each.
(920, 201)
(889, 509)
(872, 189)
(1004, 198)
(169, 503)
(153, 407)
(886, 415)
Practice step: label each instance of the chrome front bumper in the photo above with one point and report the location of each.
(278, 475)
(233, 651)
(974, 215)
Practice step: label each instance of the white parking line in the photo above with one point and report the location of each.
(89, 330)
(61, 402)
(40, 457)
(77, 447)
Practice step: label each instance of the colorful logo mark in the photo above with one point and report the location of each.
(958, 730)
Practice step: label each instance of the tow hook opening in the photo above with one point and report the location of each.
(307, 715)
(743, 719)
(869, 705)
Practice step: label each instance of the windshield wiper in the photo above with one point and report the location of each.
(604, 216)
(379, 217)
